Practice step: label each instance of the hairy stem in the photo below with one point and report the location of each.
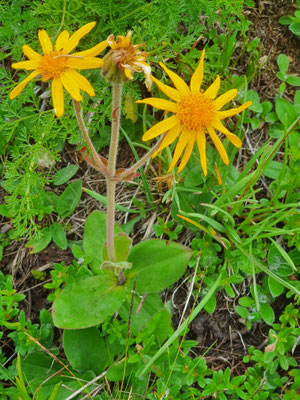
(85, 134)
(111, 168)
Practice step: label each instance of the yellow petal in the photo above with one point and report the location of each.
(181, 144)
(58, 97)
(233, 111)
(70, 85)
(219, 179)
(18, 89)
(170, 137)
(127, 39)
(28, 65)
(161, 127)
(201, 143)
(93, 51)
(213, 89)
(219, 146)
(179, 83)
(81, 82)
(225, 98)
(31, 54)
(46, 78)
(84, 62)
(197, 76)
(170, 92)
(62, 40)
(45, 41)
(74, 39)
(235, 140)
(162, 104)
(128, 74)
(188, 151)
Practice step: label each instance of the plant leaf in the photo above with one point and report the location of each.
(63, 175)
(88, 302)
(285, 111)
(85, 349)
(156, 264)
(94, 238)
(283, 63)
(69, 199)
(41, 242)
(58, 235)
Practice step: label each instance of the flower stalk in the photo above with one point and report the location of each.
(111, 168)
(85, 134)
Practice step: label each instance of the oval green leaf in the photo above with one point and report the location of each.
(85, 349)
(40, 242)
(88, 302)
(156, 264)
(58, 235)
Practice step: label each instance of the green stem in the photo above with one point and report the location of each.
(85, 134)
(111, 168)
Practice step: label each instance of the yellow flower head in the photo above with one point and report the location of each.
(196, 113)
(123, 59)
(60, 66)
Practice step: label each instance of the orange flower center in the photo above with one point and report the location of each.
(52, 65)
(196, 111)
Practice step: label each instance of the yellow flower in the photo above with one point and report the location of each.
(60, 66)
(196, 113)
(123, 59)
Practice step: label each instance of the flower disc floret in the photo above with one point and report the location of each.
(196, 111)
(52, 65)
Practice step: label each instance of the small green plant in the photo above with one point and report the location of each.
(292, 21)
(9, 300)
(166, 229)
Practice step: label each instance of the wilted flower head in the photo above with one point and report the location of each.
(124, 59)
(58, 65)
(197, 114)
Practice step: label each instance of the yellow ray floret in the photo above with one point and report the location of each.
(197, 113)
(59, 66)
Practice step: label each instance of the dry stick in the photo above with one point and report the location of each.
(46, 380)
(73, 395)
(85, 134)
(111, 168)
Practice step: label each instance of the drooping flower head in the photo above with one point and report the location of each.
(196, 114)
(123, 59)
(58, 65)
